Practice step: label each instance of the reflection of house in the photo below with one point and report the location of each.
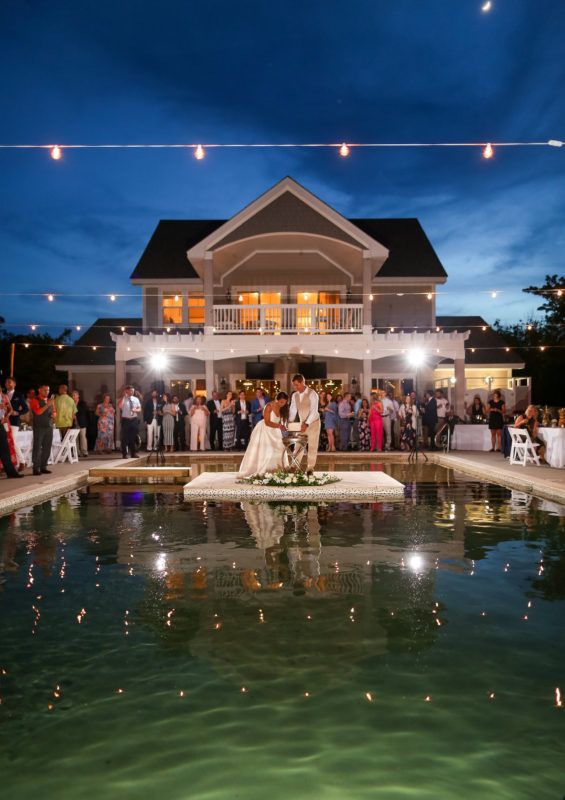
(288, 284)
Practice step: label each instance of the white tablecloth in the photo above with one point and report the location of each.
(471, 437)
(554, 439)
(24, 440)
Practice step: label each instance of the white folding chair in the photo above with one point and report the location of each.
(25, 450)
(68, 448)
(523, 449)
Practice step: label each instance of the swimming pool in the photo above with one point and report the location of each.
(412, 648)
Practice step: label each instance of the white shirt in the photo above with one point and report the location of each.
(390, 407)
(242, 409)
(442, 406)
(312, 414)
(130, 407)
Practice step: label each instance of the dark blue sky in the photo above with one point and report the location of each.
(368, 70)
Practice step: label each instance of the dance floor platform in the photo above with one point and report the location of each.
(351, 485)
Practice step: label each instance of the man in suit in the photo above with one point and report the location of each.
(304, 406)
(153, 416)
(429, 420)
(216, 424)
(242, 427)
(257, 407)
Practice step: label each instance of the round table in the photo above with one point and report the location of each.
(295, 445)
(554, 439)
(471, 437)
(24, 440)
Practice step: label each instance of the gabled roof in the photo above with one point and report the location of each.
(165, 254)
(489, 345)
(98, 335)
(411, 254)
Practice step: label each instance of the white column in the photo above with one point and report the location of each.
(367, 285)
(120, 379)
(208, 293)
(366, 377)
(459, 388)
(209, 371)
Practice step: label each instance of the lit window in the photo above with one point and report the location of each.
(195, 310)
(172, 308)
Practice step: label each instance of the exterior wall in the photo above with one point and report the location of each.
(151, 309)
(405, 311)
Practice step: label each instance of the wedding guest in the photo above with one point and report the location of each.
(43, 409)
(345, 414)
(257, 407)
(179, 437)
(242, 427)
(199, 414)
(529, 421)
(130, 408)
(228, 421)
(17, 401)
(429, 420)
(106, 421)
(330, 421)
(187, 403)
(376, 423)
(496, 409)
(169, 414)
(82, 421)
(476, 410)
(65, 411)
(408, 416)
(356, 400)
(8, 453)
(153, 416)
(28, 418)
(214, 407)
(363, 428)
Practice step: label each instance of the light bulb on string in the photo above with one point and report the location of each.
(78, 327)
(56, 153)
(559, 292)
(494, 295)
(50, 297)
(112, 298)
(371, 297)
(429, 295)
(199, 153)
(488, 152)
(486, 7)
(344, 150)
(33, 327)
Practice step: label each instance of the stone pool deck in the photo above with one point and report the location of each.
(541, 481)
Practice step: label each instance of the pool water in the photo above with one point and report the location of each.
(411, 648)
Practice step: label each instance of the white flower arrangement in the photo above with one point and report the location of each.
(283, 478)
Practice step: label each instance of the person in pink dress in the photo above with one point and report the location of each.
(376, 424)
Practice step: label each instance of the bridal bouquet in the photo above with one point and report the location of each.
(282, 478)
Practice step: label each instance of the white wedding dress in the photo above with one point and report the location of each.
(265, 450)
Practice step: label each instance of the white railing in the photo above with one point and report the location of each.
(281, 318)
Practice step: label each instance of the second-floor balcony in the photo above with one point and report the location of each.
(282, 318)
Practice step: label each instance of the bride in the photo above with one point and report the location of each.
(265, 450)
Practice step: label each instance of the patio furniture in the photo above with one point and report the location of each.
(68, 448)
(554, 440)
(523, 449)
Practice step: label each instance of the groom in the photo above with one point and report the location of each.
(304, 405)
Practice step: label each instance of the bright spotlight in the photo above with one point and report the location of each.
(159, 361)
(416, 358)
(415, 562)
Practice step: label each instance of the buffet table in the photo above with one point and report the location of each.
(554, 440)
(471, 437)
(24, 440)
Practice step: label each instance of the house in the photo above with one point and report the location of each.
(288, 284)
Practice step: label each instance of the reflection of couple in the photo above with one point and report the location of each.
(265, 450)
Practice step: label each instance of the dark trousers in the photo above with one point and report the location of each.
(344, 433)
(179, 436)
(130, 428)
(5, 453)
(242, 433)
(216, 430)
(42, 441)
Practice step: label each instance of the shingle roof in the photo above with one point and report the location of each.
(165, 254)
(411, 254)
(488, 345)
(98, 335)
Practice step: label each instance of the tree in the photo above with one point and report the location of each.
(528, 338)
(35, 364)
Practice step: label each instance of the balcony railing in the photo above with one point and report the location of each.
(281, 318)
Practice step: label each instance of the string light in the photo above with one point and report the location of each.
(371, 297)
(344, 150)
(50, 297)
(429, 295)
(112, 298)
(78, 327)
(486, 7)
(33, 327)
(488, 152)
(494, 295)
(56, 153)
(199, 153)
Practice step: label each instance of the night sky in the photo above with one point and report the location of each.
(402, 70)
